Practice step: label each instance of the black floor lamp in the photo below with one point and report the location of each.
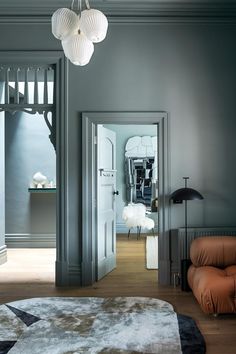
(180, 195)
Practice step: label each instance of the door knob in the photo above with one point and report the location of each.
(117, 192)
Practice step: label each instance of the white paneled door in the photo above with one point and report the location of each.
(106, 195)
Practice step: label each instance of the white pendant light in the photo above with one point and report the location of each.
(78, 49)
(94, 24)
(64, 23)
(78, 31)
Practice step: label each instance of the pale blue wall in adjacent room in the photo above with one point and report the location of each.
(123, 133)
(28, 150)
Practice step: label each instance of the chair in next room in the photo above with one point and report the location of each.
(134, 215)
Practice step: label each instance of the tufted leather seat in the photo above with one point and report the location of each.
(212, 276)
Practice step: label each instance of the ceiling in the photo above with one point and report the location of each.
(160, 8)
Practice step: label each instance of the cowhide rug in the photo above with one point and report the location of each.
(60, 325)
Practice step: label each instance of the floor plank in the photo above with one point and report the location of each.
(30, 273)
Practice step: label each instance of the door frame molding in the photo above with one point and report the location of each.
(89, 122)
(56, 58)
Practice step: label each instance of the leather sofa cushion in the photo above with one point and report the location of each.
(218, 251)
(214, 288)
(231, 271)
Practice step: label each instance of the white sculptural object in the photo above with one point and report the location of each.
(39, 180)
(134, 215)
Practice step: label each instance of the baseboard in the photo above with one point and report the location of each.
(87, 273)
(62, 278)
(74, 271)
(121, 228)
(68, 274)
(164, 272)
(3, 254)
(30, 240)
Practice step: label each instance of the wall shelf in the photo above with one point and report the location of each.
(42, 190)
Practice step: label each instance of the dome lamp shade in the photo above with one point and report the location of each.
(78, 29)
(78, 49)
(185, 194)
(64, 23)
(94, 24)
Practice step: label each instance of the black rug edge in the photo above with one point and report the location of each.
(6, 345)
(192, 340)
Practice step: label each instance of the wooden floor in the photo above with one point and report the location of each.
(30, 273)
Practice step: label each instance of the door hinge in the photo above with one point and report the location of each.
(95, 140)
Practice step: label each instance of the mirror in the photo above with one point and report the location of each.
(141, 171)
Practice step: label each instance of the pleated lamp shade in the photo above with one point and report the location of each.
(94, 24)
(64, 23)
(78, 49)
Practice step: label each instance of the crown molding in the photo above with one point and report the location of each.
(139, 20)
(121, 11)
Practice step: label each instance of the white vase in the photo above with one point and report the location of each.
(39, 180)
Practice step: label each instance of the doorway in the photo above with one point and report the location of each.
(27, 104)
(33, 67)
(89, 245)
(126, 184)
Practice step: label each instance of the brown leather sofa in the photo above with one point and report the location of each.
(212, 275)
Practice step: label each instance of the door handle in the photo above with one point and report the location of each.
(116, 192)
(106, 170)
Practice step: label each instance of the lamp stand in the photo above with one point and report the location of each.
(178, 196)
(186, 229)
(186, 262)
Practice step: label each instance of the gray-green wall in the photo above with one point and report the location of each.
(186, 69)
(123, 133)
(28, 150)
(2, 182)
(189, 71)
